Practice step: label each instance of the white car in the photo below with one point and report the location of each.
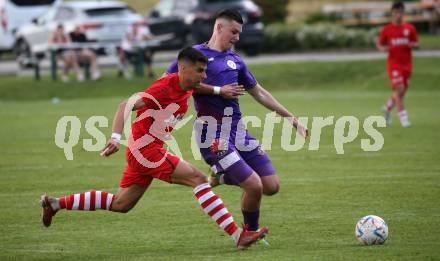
(15, 13)
(104, 22)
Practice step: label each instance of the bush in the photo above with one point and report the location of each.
(274, 11)
(282, 38)
(320, 17)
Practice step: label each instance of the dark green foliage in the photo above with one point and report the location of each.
(282, 37)
(274, 11)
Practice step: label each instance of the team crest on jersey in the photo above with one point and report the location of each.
(231, 64)
(219, 147)
(406, 32)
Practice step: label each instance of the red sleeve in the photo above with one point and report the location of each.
(383, 36)
(151, 96)
(413, 36)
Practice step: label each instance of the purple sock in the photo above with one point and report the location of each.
(251, 219)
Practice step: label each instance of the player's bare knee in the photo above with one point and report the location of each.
(272, 189)
(253, 185)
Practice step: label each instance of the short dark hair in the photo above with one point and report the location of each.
(230, 14)
(398, 5)
(193, 55)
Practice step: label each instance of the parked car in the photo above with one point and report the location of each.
(14, 13)
(103, 21)
(192, 21)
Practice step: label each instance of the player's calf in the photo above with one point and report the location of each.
(387, 115)
(121, 206)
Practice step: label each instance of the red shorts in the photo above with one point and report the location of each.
(148, 164)
(399, 77)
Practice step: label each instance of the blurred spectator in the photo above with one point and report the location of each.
(85, 54)
(59, 38)
(135, 38)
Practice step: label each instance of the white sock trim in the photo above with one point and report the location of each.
(87, 201)
(402, 113)
(205, 197)
(219, 213)
(213, 205)
(75, 202)
(201, 187)
(236, 235)
(109, 200)
(226, 222)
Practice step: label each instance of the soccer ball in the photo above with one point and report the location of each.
(371, 230)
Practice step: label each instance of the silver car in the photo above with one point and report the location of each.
(104, 22)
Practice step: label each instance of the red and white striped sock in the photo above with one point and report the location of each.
(390, 104)
(213, 206)
(89, 201)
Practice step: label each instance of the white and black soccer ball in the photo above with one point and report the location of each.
(371, 230)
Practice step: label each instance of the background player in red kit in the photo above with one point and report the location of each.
(158, 109)
(398, 38)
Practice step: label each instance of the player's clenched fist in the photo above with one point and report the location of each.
(111, 147)
(302, 130)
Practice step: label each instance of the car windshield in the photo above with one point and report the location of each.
(110, 11)
(32, 2)
(221, 1)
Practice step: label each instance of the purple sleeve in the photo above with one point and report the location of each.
(246, 78)
(173, 67)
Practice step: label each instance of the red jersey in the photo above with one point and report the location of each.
(398, 39)
(166, 104)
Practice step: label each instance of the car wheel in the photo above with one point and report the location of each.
(251, 50)
(23, 53)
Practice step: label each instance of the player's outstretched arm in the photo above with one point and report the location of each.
(229, 91)
(122, 113)
(266, 99)
(380, 46)
(414, 45)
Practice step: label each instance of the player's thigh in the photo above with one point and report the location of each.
(188, 175)
(397, 79)
(260, 162)
(222, 156)
(252, 184)
(406, 79)
(234, 168)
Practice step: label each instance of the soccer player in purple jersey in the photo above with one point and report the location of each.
(233, 163)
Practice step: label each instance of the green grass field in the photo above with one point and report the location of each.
(322, 194)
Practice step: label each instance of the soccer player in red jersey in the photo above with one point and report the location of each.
(158, 110)
(398, 38)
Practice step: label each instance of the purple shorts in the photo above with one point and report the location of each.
(236, 158)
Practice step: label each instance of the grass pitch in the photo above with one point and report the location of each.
(322, 194)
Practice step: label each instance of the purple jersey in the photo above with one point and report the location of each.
(223, 68)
